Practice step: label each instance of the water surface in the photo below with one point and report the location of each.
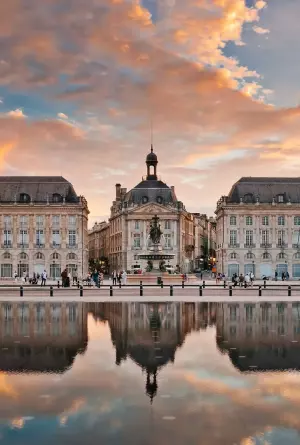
(132, 373)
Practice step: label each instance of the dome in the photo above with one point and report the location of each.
(151, 157)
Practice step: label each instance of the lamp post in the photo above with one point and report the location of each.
(53, 269)
(253, 267)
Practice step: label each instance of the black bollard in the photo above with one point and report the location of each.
(21, 291)
(51, 291)
(162, 284)
(58, 284)
(81, 291)
(245, 284)
(230, 290)
(224, 284)
(182, 284)
(203, 285)
(120, 284)
(259, 291)
(171, 291)
(289, 291)
(141, 283)
(141, 290)
(77, 284)
(110, 291)
(265, 284)
(200, 291)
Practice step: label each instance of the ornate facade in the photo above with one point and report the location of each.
(131, 213)
(43, 227)
(258, 228)
(99, 241)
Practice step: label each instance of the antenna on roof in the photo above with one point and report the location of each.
(151, 132)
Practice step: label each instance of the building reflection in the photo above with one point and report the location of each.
(41, 337)
(150, 334)
(260, 336)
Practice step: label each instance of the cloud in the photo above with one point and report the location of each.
(260, 30)
(62, 116)
(18, 114)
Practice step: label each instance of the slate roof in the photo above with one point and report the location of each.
(265, 189)
(37, 187)
(151, 190)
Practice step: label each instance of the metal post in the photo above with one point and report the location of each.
(224, 284)
(141, 283)
(81, 291)
(77, 284)
(110, 291)
(245, 284)
(230, 290)
(21, 291)
(200, 291)
(162, 284)
(182, 284)
(203, 285)
(141, 290)
(120, 284)
(171, 291)
(259, 291)
(265, 284)
(51, 291)
(289, 291)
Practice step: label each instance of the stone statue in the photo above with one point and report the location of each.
(155, 231)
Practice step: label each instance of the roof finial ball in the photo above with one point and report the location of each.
(151, 161)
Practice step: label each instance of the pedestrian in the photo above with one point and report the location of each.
(251, 278)
(287, 276)
(124, 277)
(119, 277)
(247, 280)
(283, 276)
(75, 277)
(276, 275)
(16, 277)
(64, 276)
(44, 278)
(114, 277)
(241, 280)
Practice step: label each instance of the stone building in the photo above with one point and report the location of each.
(43, 226)
(130, 217)
(258, 227)
(99, 241)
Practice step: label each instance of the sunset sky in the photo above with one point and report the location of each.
(80, 81)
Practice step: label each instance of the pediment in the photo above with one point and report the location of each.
(152, 209)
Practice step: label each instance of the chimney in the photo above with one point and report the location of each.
(173, 188)
(118, 192)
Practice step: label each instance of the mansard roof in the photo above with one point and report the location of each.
(37, 188)
(151, 190)
(265, 190)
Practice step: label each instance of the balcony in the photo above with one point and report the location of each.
(266, 246)
(233, 245)
(296, 246)
(7, 245)
(39, 245)
(281, 245)
(23, 246)
(55, 246)
(72, 246)
(250, 245)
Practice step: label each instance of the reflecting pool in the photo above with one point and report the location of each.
(141, 374)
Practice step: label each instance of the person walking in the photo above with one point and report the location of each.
(114, 277)
(282, 276)
(44, 278)
(247, 280)
(124, 277)
(251, 278)
(119, 277)
(276, 275)
(75, 277)
(16, 277)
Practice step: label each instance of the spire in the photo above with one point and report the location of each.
(151, 148)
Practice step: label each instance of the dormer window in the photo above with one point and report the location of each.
(56, 197)
(159, 200)
(24, 197)
(144, 199)
(248, 198)
(280, 198)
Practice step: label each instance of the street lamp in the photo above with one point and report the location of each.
(253, 267)
(53, 269)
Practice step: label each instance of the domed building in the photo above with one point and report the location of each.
(130, 218)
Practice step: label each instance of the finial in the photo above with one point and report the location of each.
(151, 148)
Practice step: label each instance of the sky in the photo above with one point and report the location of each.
(81, 81)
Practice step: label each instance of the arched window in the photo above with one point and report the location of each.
(266, 256)
(39, 256)
(249, 220)
(144, 199)
(7, 256)
(56, 197)
(55, 256)
(281, 256)
(249, 256)
(233, 256)
(24, 197)
(297, 256)
(159, 200)
(23, 256)
(232, 220)
(71, 256)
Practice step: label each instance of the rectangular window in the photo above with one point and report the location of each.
(233, 237)
(72, 220)
(136, 225)
(39, 237)
(55, 220)
(280, 237)
(137, 240)
(23, 220)
(39, 220)
(297, 221)
(296, 237)
(281, 220)
(249, 237)
(249, 220)
(7, 238)
(167, 224)
(23, 237)
(265, 237)
(56, 237)
(168, 240)
(6, 270)
(232, 220)
(72, 237)
(265, 220)
(280, 198)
